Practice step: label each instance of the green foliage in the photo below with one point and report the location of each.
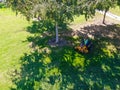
(60, 10)
(105, 5)
(2, 5)
(89, 6)
(41, 26)
(118, 2)
(55, 10)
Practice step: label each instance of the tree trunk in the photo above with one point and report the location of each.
(104, 16)
(56, 29)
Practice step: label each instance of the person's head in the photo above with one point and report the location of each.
(85, 37)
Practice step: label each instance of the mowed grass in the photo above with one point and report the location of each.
(79, 19)
(115, 10)
(12, 43)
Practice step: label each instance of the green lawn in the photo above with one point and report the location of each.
(56, 67)
(79, 19)
(115, 10)
(12, 43)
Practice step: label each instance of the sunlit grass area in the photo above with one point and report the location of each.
(12, 43)
(115, 10)
(79, 19)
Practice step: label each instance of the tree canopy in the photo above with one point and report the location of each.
(60, 11)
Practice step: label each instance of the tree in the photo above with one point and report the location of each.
(118, 2)
(105, 5)
(58, 11)
(89, 7)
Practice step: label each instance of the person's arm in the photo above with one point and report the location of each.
(86, 41)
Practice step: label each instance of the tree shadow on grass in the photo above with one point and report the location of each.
(62, 68)
(39, 27)
(103, 62)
